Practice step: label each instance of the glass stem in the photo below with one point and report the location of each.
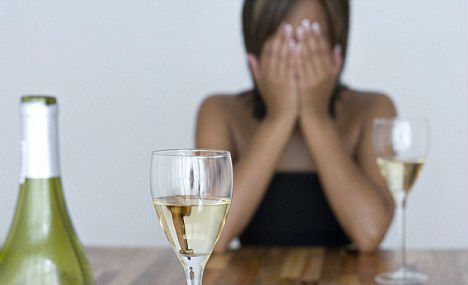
(401, 212)
(194, 275)
(193, 268)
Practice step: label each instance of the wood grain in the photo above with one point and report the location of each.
(272, 265)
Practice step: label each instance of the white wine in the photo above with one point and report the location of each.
(400, 174)
(192, 225)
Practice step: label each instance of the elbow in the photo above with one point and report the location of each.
(221, 246)
(369, 237)
(367, 246)
(226, 241)
(220, 249)
(369, 242)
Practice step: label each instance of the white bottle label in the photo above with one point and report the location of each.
(40, 142)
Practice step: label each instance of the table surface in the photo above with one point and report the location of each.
(272, 265)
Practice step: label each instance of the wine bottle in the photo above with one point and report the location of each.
(42, 246)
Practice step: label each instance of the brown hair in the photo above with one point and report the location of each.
(261, 18)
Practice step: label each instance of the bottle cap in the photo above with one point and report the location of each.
(39, 105)
(47, 100)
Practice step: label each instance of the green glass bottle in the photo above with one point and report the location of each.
(42, 246)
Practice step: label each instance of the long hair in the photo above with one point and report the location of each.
(260, 20)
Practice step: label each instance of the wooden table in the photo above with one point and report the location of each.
(272, 265)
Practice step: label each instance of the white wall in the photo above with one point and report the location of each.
(130, 75)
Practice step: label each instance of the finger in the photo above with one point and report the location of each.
(276, 50)
(295, 67)
(302, 65)
(323, 48)
(254, 67)
(313, 52)
(266, 54)
(306, 54)
(284, 53)
(337, 60)
(292, 62)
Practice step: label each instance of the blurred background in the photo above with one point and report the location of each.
(130, 75)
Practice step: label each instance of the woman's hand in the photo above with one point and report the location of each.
(274, 75)
(317, 68)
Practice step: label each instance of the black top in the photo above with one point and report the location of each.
(294, 211)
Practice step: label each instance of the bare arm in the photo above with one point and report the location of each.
(253, 171)
(355, 190)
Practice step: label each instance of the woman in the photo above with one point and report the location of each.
(304, 169)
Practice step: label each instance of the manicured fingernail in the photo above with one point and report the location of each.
(315, 27)
(300, 32)
(305, 23)
(287, 29)
(338, 49)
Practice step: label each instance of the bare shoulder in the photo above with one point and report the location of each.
(369, 103)
(224, 101)
(226, 105)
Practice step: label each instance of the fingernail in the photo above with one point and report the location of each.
(287, 29)
(338, 49)
(315, 27)
(305, 23)
(300, 32)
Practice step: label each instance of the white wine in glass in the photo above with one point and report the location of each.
(192, 225)
(401, 146)
(191, 191)
(400, 174)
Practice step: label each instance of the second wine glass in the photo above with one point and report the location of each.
(401, 146)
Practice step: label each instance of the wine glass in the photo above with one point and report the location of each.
(191, 192)
(401, 146)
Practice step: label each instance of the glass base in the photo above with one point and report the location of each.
(401, 277)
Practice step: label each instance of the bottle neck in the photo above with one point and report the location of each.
(40, 159)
